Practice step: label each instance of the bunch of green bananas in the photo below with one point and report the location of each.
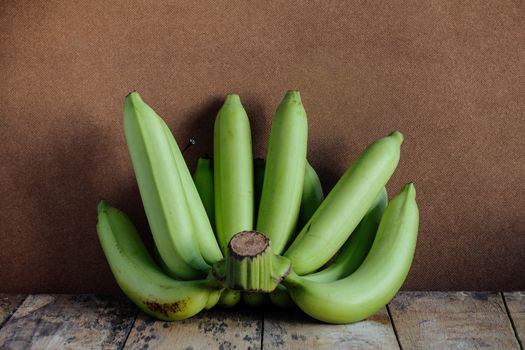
(339, 258)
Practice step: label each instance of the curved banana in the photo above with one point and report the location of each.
(153, 154)
(350, 257)
(312, 195)
(140, 278)
(345, 206)
(202, 229)
(356, 248)
(203, 179)
(233, 171)
(377, 280)
(284, 173)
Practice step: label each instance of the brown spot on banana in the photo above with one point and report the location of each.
(166, 308)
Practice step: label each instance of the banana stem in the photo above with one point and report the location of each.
(250, 264)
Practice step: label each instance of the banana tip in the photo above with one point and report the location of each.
(410, 188)
(232, 98)
(133, 97)
(292, 95)
(398, 136)
(102, 205)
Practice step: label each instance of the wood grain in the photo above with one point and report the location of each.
(295, 330)
(452, 320)
(423, 320)
(68, 322)
(8, 305)
(213, 329)
(516, 304)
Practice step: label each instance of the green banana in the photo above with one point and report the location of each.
(377, 280)
(284, 172)
(312, 190)
(258, 179)
(153, 154)
(229, 298)
(277, 196)
(158, 260)
(345, 206)
(312, 195)
(141, 279)
(233, 171)
(202, 229)
(352, 253)
(203, 179)
(356, 248)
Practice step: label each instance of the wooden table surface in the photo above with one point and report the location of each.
(413, 320)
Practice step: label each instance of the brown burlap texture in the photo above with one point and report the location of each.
(449, 75)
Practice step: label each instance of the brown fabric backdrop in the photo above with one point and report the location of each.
(448, 74)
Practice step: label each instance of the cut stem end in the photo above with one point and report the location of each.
(250, 264)
(248, 244)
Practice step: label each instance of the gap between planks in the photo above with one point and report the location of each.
(129, 331)
(9, 303)
(394, 326)
(515, 306)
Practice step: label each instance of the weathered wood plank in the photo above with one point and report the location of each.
(452, 320)
(213, 329)
(291, 329)
(516, 304)
(8, 305)
(68, 322)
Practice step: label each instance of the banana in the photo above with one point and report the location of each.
(203, 179)
(229, 298)
(153, 154)
(352, 253)
(258, 179)
(202, 229)
(377, 280)
(312, 195)
(158, 260)
(345, 206)
(278, 196)
(284, 172)
(233, 171)
(356, 248)
(140, 278)
(312, 190)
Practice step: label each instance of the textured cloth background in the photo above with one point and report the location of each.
(448, 74)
